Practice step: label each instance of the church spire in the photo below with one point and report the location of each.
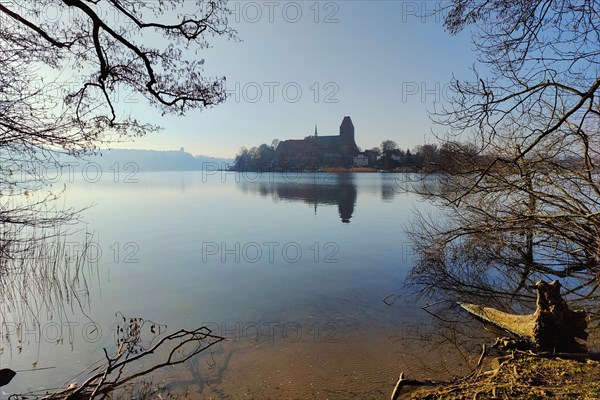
(316, 134)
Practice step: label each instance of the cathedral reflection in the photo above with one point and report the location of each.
(324, 189)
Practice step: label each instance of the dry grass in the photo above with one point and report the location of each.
(523, 377)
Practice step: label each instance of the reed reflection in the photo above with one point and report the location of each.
(45, 274)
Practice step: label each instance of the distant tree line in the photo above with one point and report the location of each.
(449, 157)
(256, 158)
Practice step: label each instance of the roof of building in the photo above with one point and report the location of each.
(292, 145)
(328, 139)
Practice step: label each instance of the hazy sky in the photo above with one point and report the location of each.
(305, 63)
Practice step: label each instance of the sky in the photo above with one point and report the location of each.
(306, 63)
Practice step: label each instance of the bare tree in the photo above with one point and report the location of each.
(543, 82)
(64, 64)
(524, 203)
(388, 145)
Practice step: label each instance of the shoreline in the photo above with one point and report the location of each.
(520, 375)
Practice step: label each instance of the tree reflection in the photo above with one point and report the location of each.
(488, 240)
(494, 247)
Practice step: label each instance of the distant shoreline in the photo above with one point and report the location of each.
(360, 170)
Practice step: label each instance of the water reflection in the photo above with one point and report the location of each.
(46, 275)
(310, 294)
(313, 189)
(491, 250)
(44, 272)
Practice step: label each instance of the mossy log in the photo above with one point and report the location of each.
(552, 327)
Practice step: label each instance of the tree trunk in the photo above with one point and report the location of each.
(552, 327)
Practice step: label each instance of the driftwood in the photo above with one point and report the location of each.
(552, 327)
(402, 381)
(137, 340)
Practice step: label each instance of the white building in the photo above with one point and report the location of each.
(361, 161)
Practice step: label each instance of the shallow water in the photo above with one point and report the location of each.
(290, 268)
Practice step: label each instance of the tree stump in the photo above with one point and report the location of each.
(552, 327)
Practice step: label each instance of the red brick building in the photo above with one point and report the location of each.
(314, 151)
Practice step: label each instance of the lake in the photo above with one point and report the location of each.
(291, 268)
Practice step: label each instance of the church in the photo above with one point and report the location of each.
(315, 151)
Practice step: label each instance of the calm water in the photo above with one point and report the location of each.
(292, 269)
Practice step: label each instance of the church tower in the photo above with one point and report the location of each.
(347, 130)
